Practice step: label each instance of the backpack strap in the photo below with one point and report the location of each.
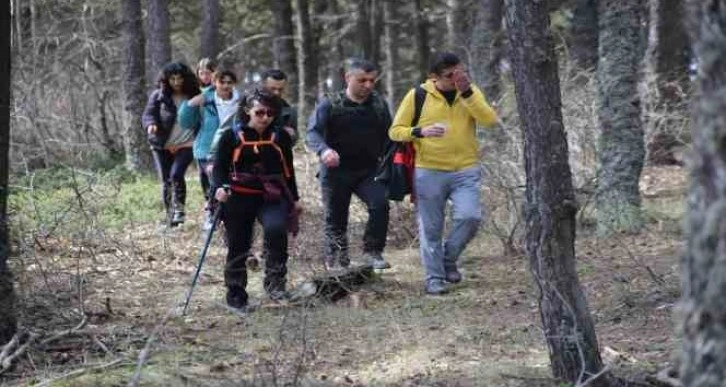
(419, 98)
(236, 153)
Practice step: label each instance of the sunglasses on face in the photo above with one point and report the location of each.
(263, 112)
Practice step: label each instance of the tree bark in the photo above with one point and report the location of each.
(376, 31)
(306, 64)
(283, 45)
(486, 48)
(703, 271)
(137, 154)
(390, 66)
(621, 143)
(584, 35)
(668, 54)
(550, 205)
(457, 26)
(7, 299)
(210, 29)
(363, 29)
(159, 38)
(422, 38)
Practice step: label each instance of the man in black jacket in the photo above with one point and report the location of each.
(348, 132)
(274, 81)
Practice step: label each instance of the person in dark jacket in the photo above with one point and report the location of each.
(254, 179)
(348, 132)
(274, 81)
(170, 143)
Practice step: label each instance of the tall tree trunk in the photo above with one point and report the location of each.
(7, 299)
(158, 40)
(486, 49)
(422, 38)
(584, 35)
(668, 54)
(306, 65)
(390, 66)
(376, 31)
(457, 26)
(210, 29)
(283, 45)
(621, 143)
(137, 154)
(363, 29)
(703, 271)
(337, 49)
(550, 197)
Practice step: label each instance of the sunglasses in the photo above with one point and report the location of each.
(263, 112)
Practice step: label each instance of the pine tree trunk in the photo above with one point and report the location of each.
(584, 35)
(621, 143)
(284, 43)
(376, 32)
(306, 64)
(210, 29)
(158, 40)
(550, 206)
(363, 29)
(137, 154)
(390, 66)
(422, 38)
(7, 299)
(668, 53)
(486, 48)
(703, 271)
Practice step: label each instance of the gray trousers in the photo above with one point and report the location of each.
(433, 189)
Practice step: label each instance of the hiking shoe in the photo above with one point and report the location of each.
(236, 297)
(453, 276)
(376, 260)
(436, 287)
(177, 218)
(278, 294)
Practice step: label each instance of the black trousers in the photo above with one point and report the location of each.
(338, 187)
(239, 214)
(171, 168)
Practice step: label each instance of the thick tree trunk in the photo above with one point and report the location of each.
(703, 357)
(486, 50)
(457, 26)
(550, 206)
(363, 29)
(584, 35)
(137, 154)
(621, 143)
(376, 31)
(7, 300)
(422, 38)
(306, 64)
(284, 43)
(210, 29)
(159, 39)
(668, 55)
(390, 66)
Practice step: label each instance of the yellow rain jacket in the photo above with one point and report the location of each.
(459, 147)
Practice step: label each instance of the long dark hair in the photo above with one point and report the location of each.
(190, 87)
(262, 97)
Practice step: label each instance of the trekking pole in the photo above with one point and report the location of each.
(203, 253)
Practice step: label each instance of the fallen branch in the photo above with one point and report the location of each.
(67, 332)
(8, 360)
(80, 371)
(144, 355)
(10, 345)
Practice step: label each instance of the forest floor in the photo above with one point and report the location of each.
(486, 332)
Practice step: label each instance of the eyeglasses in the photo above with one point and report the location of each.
(263, 112)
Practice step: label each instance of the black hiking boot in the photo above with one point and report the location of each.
(453, 276)
(236, 298)
(177, 218)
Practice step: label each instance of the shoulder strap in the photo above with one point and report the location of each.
(419, 98)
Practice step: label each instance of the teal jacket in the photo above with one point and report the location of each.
(207, 118)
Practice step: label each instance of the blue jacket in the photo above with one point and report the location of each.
(207, 117)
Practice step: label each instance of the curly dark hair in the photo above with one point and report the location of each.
(191, 85)
(262, 97)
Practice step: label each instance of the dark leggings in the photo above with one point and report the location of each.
(204, 177)
(171, 167)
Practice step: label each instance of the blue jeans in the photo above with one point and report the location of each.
(433, 189)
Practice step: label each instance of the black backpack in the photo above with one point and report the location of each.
(394, 170)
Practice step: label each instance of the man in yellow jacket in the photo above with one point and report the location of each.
(447, 164)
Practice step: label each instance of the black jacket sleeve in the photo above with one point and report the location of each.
(286, 143)
(151, 111)
(222, 162)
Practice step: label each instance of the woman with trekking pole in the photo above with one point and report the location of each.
(253, 179)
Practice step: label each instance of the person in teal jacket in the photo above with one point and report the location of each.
(213, 110)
